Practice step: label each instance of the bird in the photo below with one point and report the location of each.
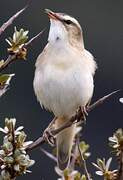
(63, 79)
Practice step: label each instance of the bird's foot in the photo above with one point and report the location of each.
(83, 112)
(49, 137)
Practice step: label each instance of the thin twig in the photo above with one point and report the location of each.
(3, 89)
(33, 39)
(10, 21)
(84, 165)
(101, 100)
(49, 154)
(8, 61)
(77, 116)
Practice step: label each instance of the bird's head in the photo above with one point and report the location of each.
(64, 28)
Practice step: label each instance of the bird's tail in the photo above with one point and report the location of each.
(64, 141)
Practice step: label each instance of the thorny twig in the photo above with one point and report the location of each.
(10, 21)
(78, 116)
(13, 57)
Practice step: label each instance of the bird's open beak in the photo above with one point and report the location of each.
(52, 15)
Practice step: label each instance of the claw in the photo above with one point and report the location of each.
(49, 137)
(84, 114)
(85, 110)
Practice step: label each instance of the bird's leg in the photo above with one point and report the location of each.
(48, 135)
(88, 104)
(85, 110)
(84, 113)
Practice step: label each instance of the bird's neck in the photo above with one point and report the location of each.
(59, 42)
(77, 43)
(59, 38)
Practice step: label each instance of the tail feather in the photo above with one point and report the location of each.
(64, 141)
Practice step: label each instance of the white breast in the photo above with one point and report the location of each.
(63, 84)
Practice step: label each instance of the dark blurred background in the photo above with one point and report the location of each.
(102, 23)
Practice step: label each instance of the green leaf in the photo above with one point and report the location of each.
(5, 78)
(83, 147)
(83, 177)
(19, 38)
(21, 138)
(77, 176)
(101, 164)
(1, 62)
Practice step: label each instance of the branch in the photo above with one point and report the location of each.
(10, 21)
(77, 117)
(13, 57)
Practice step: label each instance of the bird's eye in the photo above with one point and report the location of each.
(68, 22)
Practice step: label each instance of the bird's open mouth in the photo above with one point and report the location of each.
(52, 15)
